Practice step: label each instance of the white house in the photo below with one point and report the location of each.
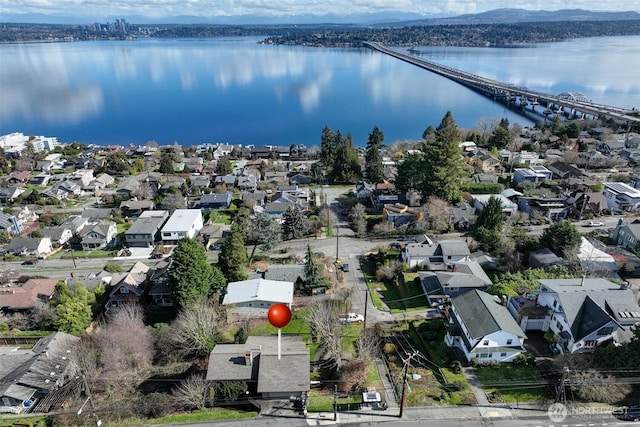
(483, 329)
(480, 201)
(254, 297)
(184, 223)
(435, 256)
(621, 196)
(83, 177)
(586, 313)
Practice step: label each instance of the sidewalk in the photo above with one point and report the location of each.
(477, 389)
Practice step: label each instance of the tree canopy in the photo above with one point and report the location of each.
(373, 169)
(232, 260)
(264, 231)
(190, 275)
(492, 216)
(561, 238)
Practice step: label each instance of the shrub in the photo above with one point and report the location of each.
(456, 367)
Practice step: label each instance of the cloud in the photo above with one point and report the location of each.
(97, 9)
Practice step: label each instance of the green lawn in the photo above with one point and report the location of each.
(507, 380)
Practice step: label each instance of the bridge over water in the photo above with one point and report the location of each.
(574, 105)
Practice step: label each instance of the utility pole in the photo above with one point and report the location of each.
(404, 380)
(337, 240)
(366, 302)
(90, 400)
(335, 402)
(561, 396)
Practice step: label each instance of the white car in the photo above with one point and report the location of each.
(352, 318)
(595, 224)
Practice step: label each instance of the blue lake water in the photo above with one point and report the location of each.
(238, 91)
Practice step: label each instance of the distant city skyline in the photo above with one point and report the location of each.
(101, 10)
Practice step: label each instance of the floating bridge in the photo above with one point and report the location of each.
(572, 104)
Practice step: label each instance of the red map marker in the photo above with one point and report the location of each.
(279, 316)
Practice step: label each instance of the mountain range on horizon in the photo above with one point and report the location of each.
(393, 18)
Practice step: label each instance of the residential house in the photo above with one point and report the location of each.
(385, 187)
(585, 204)
(363, 191)
(627, 235)
(485, 162)
(98, 236)
(594, 260)
(70, 188)
(103, 181)
(18, 178)
(553, 208)
(135, 208)
(97, 214)
(533, 174)
(300, 179)
(527, 158)
(50, 163)
(621, 196)
(59, 235)
(277, 209)
(76, 223)
(128, 188)
(214, 234)
(25, 297)
(226, 181)
(482, 328)
(213, 201)
(183, 223)
(563, 170)
(128, 288)
(83, 177)
(435, 256)
(254, 297)
(271, 369)
(610, 147)
(172, 184)
(200, 181)
(247, 183)
(256, 198)
(157, 292)
(10, 194)
(400, 214)
(145, 231)
(40, 180)
(583, 313)
(285, 273)
(43, 374)
(468, 147)
(10, 224)
(544, 258)
(480, 201)
(77, 163)
(222, 150)
(440, 286)
(29, 246)
(193, 164)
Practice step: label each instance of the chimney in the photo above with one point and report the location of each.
(248, 357)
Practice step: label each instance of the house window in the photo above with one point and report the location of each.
(485, 342)
(555, 303)
(509, 341)
(124, 290)
(484, 355)
(559, 326)
(503, 354)
(590, 344)
(606, 330)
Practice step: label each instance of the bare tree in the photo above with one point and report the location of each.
(196, 328)
(328, 217)
(367, 345)
(353, 375)
(323, 318)
(192, 392)
(594, 386)
(126, 349)
(438, 213)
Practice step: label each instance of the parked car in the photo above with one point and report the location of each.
(157, 255)
(30, 262)
(352, 318)
(345, 267)
(631, 413)
(595, 224)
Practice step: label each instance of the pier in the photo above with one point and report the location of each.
(573, 105)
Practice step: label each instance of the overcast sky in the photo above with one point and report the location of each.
(95, 9)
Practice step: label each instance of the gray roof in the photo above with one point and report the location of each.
(286, 273)
(289, 374)
(591, 303)
(145, 225)
(454, 247)
(482, 314)
(40, 368)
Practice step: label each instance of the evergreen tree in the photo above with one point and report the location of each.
(233, 256)
(190, 275)
(501, 137)
(443, 162)
(166, 163)
(312, 271)
(410, 173)
(73, 308)
(373, 170)
(562, 238)
(224, 166)
(346, 167)
(492, 216)
(327, 147)
(294, 223)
